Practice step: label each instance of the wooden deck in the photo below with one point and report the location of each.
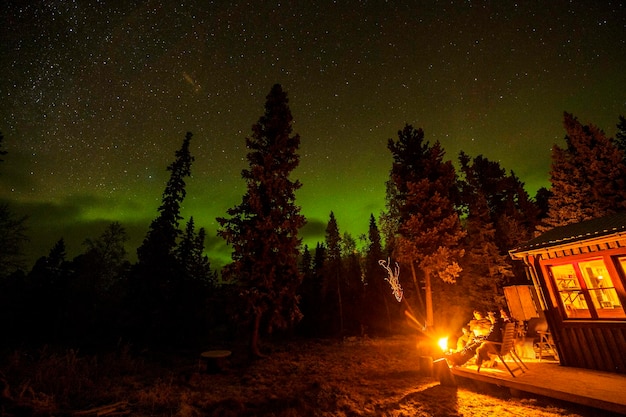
(602, 390)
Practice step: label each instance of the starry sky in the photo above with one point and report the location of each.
(97, 96)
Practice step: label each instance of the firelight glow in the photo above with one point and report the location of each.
(443, 343)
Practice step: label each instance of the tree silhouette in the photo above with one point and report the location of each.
(485, 270)
(191, 257)
(2, 152)
(12, 235)
(377, 303)
(158, 247)
(263, 229)
(156, 281)
(107, 257)
(423, 195)
(588, 176)
(333, 272)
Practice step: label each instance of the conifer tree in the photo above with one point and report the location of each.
(157, 282)
(620, 136)
(107, 256)
(333, 272)
(485, 270)
(2, 152)
(263, 229)
(159, 245)
(309, 293)
(424, 192)
(352, 285)
(191, 258)
(12, 235)
(588, 176)
(377, 293)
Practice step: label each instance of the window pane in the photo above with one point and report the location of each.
(601, 289)
(570, 291)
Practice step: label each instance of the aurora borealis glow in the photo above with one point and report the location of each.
(97, 96)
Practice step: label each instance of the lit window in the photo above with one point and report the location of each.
(586, 289)
(601, 289)
(570, 291)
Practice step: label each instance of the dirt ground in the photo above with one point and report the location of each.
(355, 377)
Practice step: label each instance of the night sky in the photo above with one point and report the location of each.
(98, 95)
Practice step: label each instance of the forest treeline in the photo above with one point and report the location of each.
(447, 226)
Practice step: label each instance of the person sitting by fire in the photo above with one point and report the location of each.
(473, 334)
(487, 346)
(480, 325)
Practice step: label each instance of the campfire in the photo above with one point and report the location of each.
(443, 344)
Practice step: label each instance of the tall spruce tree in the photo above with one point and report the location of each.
(377, 292)
(156, 289)
(333, 275)
(106, 257)
(423, 194)
(12, 235)
(190, 255)
(352, 286)
(263, 229)
(588, 176)
(620, 136)
(485, 269)
(158, 247)
(309, 294)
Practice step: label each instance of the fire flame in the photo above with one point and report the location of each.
(443, 343)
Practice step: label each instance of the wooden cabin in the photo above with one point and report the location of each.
(579, 273)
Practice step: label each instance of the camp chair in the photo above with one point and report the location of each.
(507, 347)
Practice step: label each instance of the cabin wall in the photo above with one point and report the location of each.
(591, 345)
(586, 343)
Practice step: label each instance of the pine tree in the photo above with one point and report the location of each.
(156, 279)
(620, 136)
(2, 152)
(377, 292)
(309, 293)
(352, 285)
(263, 229)
(485, 270)
(12, 240)
(49, 280)
(424, 194)
(158, 247)
(107, 256)
(12, 235)
(333, 273)
(191, 258)
(588, 176)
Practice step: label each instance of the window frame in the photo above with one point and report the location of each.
(615, 264)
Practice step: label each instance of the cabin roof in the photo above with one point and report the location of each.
(575, 232)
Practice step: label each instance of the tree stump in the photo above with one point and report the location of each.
(441, 371)
(213, 361)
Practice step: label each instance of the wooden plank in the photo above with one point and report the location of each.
(618, 349)
(602, 390)
(579, 349)
(614, 351)
(605, 359)
(591, 353)
(561, 337)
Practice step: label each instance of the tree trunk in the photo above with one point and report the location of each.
(418, 291)
(429, 299)
(254, 340)
(340, 307)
